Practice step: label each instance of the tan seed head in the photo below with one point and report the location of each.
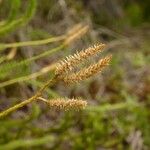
(67, 104)
(87, 72)
(71, 61)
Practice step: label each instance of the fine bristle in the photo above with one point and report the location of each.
(67, 104)
(88, 72)
(71, 61)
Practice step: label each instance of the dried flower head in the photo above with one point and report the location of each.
(71, 61)
(67, 104)
(88, 72)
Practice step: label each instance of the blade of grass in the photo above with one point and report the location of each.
(28, 77)
(30, 11)
(3, 68)
(31, 43)
(111, 107)
(20, 143)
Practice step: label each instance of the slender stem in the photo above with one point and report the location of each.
(28, 77)
(111, 107)
(44, 54)
(17, 106)
(33, 43)
(42, 99)
(33, 98)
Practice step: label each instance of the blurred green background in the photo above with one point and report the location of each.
(119, 97)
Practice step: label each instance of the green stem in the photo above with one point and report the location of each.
(33, 98)
(29, 60)
(28, 143)
(31, 43)
(43, 99)
(17, 106)
(111, 107)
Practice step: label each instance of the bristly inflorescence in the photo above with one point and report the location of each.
(65, 72)
(71, 61)
(67, 104)
(64, 69)
(87, 72)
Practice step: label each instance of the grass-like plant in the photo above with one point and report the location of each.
(65, 72)
(12, 22)
(74, 33)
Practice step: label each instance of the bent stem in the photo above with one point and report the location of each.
(33, 98)
(43, 99)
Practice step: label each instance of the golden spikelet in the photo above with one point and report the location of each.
(68, 64)
(67, 104)
(88, 72)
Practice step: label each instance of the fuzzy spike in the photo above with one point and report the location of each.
(88, 72)
(67, 104)
(70, 62)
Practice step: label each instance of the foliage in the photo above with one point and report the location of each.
(118, 115)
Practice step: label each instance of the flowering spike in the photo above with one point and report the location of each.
(70, 62)
(67, 104)
(88, 72)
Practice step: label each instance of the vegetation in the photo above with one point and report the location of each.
(35, 35)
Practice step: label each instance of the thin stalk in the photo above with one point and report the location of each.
(43, 99)
(33, 98)
(28, 77)
(49, 91)
(17, 106)
(33, 43)
(111, 107)
(46, 53)
(28, 143)
(29, 60)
